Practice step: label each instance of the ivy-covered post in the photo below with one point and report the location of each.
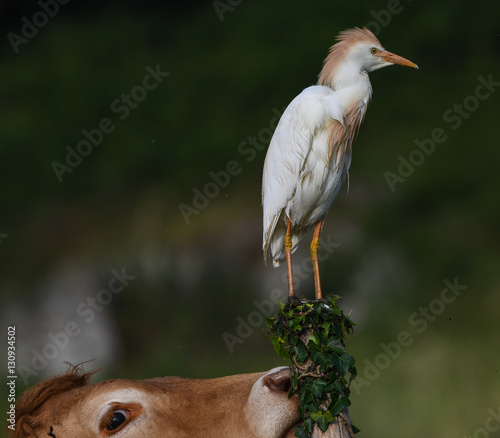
(312, 334)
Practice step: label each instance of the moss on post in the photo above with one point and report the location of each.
(312, 334)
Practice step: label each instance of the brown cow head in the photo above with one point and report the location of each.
(241, 406)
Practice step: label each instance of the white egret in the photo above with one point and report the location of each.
(310, 152)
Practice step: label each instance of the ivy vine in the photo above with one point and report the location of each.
(312, 334)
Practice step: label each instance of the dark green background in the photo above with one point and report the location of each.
(228, 76)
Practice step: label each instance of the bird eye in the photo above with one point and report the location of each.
(373, 50)
(115, 419)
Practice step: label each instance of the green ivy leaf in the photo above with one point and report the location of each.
(301, 432)
(309, 425)
(354, 373)
(314, 338)
(318, 387)
(342, 363)
(339, 405)
(355, 429)
(322, 419)
(301, 351)
(326, 328)
(334, 386)
(331, 345)
(319, 357)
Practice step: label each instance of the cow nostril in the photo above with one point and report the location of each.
(279, 381)
(287, 386)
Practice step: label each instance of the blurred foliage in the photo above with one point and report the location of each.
(120, 206)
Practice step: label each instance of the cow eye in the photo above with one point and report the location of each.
(118, 417)
(115, 419)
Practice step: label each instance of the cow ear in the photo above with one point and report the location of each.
(278, 381)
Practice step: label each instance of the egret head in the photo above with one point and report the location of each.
(357, 51)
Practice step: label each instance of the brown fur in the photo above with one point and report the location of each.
(29, 410)
(338, 51)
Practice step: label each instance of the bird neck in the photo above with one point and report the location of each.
(352, 88)
(344, 75)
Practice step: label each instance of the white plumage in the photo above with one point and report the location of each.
(310, 153)
(300, 179)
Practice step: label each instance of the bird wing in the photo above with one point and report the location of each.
(289, 148)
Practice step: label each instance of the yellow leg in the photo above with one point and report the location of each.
(288, 253)
(314, 258)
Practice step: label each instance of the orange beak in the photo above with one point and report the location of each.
(395, 59)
